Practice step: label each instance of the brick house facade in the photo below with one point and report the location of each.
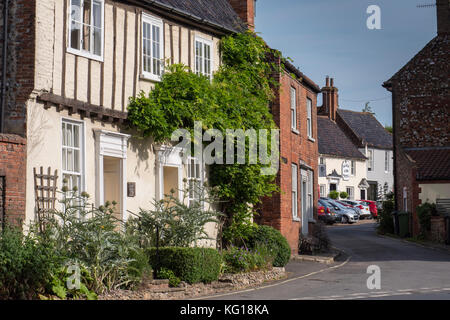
(421, 109)
(298, 157)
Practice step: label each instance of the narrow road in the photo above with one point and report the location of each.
(407, 271)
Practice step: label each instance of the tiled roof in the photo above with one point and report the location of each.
(333, 141)
(367, 128)
(218, 12)
(432, 163)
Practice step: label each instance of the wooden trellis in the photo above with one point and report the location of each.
(45, 192)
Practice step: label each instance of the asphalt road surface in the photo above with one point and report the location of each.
(407, 271)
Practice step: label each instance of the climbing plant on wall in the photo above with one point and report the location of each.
(237, 97)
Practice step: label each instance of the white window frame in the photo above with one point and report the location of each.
(204, 42)
(153, 22)
(370, 163)
(309, 123)
(82, 154)
(294, 109)
(323, 190)
(386, 161)
(351, 192)
(294, 193)
(352, 167)
(199, 179)
(81, 52)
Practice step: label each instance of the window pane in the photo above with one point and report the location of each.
(76, 136)
(86, 37)
(75, 11)
(76, 161)
(64, 159)
(69, 141)
(75, 35)
(69, 160)
(97, 41)
(97, 14)
(87, 12)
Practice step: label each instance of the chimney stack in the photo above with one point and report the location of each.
(245, 9)
(330, 99)
(443, 17)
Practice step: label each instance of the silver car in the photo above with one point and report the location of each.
(346, 215)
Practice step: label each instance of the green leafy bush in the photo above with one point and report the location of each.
(165, 273)
(192, 265)
(273, 240)
(343, 195)
(26, 265)
(424, 212)
(333, 195)
(385, 219)
(92, 237)
(242, 259)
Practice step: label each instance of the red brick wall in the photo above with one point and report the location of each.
(406, 178)
(13, 171)
(20, 66)
(276, 210)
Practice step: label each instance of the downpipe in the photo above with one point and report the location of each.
(4, 53)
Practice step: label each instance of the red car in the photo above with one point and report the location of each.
(372, 207)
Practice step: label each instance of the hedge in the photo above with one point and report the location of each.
(274, 241)
(192, 265)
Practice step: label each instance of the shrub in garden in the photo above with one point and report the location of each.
(424, 212)
(164, 273)
(334, 195)
(178, 223)
(343, 195)
(242, 259)
(274, 241)
(26, 265)
(192, 265)
(90, 237)
(385, 220)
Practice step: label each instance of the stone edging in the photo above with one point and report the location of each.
(226, 283)
(326, 258)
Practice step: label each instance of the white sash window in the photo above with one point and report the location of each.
(152, 47)
(86, 30)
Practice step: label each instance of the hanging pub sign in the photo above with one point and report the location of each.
(346, 170)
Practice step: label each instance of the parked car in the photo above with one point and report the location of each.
(343, 214)
(324, 213)
(364, 209)
(351, 206)
(372, 207)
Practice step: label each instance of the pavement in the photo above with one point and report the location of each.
(406, 271)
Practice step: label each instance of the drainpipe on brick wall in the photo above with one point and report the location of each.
(5, 52)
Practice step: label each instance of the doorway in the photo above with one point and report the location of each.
(112, 184)
(170, 181)
(363, 194)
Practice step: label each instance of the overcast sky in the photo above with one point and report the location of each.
(330, 37)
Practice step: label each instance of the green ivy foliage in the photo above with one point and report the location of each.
(237, 97)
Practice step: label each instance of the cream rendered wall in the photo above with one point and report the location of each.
(336, 164)
(432, 191)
